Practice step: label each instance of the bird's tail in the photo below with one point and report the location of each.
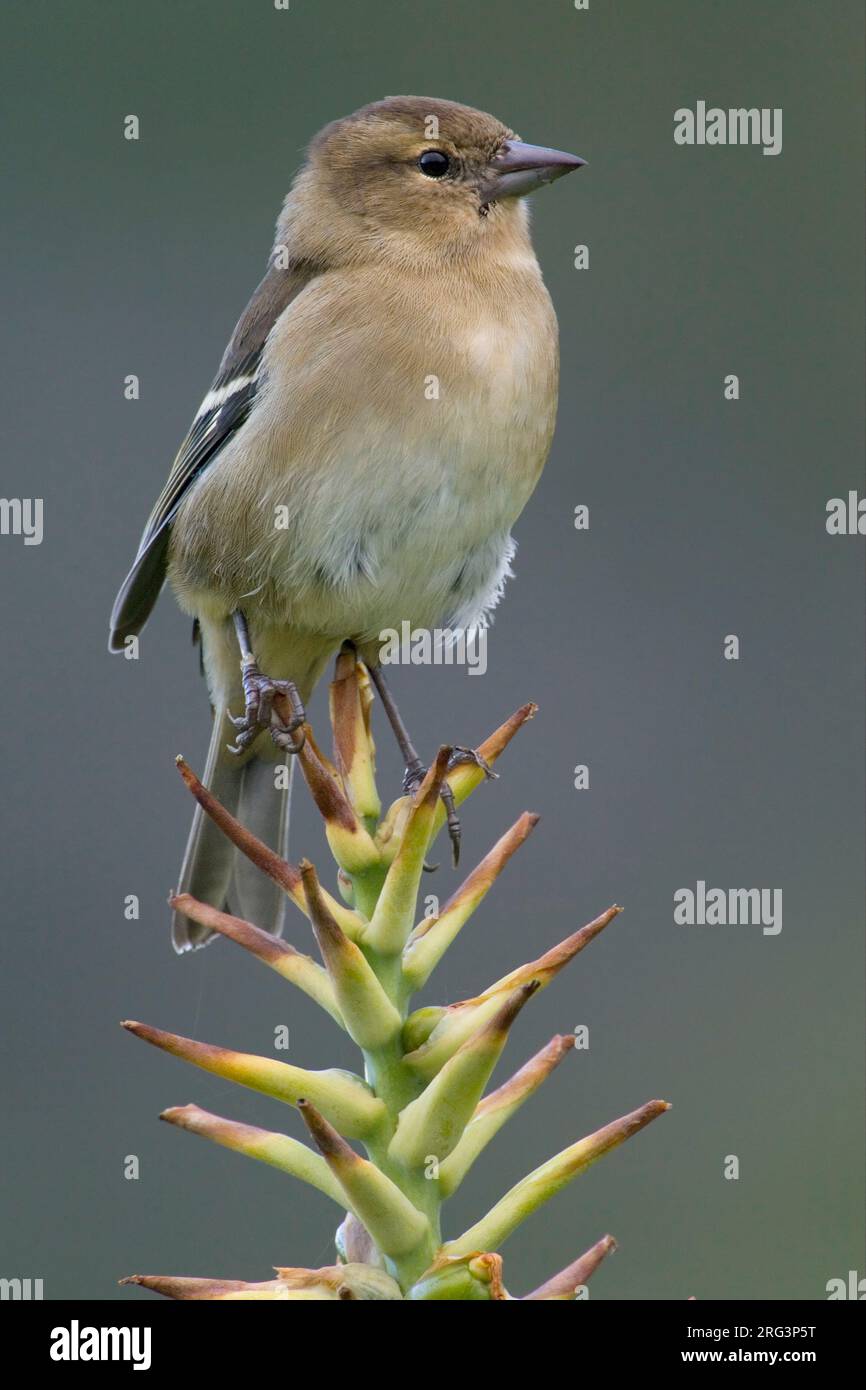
(213, 870)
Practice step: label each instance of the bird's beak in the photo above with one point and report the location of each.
(519, 168)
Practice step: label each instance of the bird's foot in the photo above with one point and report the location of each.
(259, 713)
(414, 776)
(460, 755)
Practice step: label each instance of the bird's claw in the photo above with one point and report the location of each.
(259, 713)
(460, 755)
(414, 776)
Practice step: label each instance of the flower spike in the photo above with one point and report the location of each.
(420, 1111)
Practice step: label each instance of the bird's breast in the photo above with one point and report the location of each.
(398, 437)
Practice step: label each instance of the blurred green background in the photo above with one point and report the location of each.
(707, 518)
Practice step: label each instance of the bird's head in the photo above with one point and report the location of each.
(417, 177)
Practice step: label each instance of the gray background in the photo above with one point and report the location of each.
(706, 518)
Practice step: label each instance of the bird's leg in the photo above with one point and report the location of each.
(414, 773)
(259, 692)
(415, 769)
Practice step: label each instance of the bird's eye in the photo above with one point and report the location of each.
(434, 164)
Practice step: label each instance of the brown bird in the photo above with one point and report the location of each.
(379, 419)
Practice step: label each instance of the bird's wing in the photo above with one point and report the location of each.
(223, 410)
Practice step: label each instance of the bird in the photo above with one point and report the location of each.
(379, 420)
